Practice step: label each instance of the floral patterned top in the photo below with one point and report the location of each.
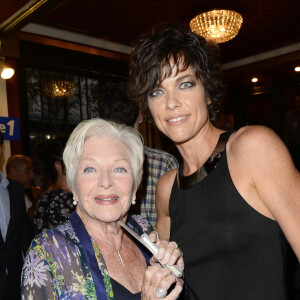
(54, 208)
(66, 263)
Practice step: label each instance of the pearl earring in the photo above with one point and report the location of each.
(133, 200)
(74, 201)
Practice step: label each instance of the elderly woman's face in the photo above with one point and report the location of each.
(105, 183)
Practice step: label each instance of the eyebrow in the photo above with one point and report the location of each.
(93, 160)
(178, 79)
(183, 77)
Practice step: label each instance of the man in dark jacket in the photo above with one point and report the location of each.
(15, 235)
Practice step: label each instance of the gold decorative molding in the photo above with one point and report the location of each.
(25, 14)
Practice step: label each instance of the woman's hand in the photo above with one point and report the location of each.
(168, 252)
(157, 282)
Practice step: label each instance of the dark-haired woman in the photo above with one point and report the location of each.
(234, 201)
(56, 203)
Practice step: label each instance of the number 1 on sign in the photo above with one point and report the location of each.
(11, 125)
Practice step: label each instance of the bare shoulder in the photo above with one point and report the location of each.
(256, 143)
(256, 154)
(253, 136)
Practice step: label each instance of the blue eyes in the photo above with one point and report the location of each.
(117, 170)
(183, 86)
(89, 170)
(120, 170)
(186, 85)
(155, 93)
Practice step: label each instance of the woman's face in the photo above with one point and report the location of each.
(179, 106)
(104, 185)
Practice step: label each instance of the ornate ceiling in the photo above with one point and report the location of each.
(269, 25)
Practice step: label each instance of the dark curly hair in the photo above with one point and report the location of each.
(155, 53)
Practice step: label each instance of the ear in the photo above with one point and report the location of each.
(134, 190)
(74, 195)
(58, 166)
(208, 101)
(138, 121)
(12, 172)
(140, 117)
(75, 198)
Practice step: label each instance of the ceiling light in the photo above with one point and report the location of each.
(217, 25)
(6, 71)
(297, 69)
(254, 79)
(60, 89)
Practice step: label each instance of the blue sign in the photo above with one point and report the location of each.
(10, 128)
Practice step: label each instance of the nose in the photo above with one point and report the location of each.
(105, 180)
(173, 101)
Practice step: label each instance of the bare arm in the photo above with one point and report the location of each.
(272, 182)
(162, 197)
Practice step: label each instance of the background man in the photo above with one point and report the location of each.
(20, 168)
(15, 237)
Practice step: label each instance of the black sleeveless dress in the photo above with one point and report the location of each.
(230, 250)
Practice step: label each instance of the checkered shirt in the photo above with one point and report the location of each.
(156, 164)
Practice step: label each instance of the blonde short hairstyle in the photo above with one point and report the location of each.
(101, 128)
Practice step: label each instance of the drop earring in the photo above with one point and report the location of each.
(74, 201)
(133, 200)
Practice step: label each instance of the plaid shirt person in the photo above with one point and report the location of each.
(156, 164)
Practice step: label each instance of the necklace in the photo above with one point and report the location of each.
(118, 251)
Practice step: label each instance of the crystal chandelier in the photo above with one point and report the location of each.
(217, 25)
(60, 89)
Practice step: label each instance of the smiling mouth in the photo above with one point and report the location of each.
(177, 119)
(107, 199)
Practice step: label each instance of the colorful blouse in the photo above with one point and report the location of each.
(54, 208)
(66, 263)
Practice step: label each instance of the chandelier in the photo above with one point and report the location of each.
(217, 25)
(60, 89)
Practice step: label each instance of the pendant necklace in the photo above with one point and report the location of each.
(118, 251)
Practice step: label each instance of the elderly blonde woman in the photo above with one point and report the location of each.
(90, 256)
